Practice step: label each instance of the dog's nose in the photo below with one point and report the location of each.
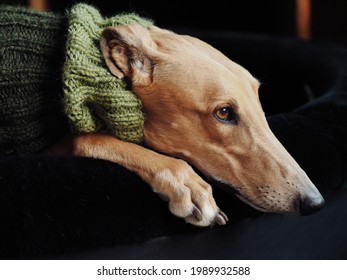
(310, 204)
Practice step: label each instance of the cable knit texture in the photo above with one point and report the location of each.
(52, 73)
(95, 99)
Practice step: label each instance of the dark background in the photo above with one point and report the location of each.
(328, 18)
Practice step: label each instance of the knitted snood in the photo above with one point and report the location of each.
(45, 58)
(94, 99)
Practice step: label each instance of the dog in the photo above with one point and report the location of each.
(202, 110)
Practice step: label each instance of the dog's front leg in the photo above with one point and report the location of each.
(190, 197)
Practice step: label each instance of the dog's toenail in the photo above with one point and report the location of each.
(220, 220)
(197, 213)
(225, 217)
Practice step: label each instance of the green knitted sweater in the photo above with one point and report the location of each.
(53, 78)
(94, 99)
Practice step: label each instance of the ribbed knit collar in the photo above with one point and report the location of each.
(94, 99)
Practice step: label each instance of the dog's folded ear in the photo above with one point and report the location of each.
(126, 50)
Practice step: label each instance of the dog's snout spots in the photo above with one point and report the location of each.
(292, 185)
(273, 200)
(292, 198)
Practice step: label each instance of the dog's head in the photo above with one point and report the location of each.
(202, 107)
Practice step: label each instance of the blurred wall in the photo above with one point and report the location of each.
(277, 17)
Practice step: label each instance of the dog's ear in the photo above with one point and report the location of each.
(126, 52)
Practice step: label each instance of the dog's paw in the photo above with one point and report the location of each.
(189, 196)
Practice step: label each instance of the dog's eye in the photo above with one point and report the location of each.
(226, 114)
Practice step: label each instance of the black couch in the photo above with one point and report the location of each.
(79, 208)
